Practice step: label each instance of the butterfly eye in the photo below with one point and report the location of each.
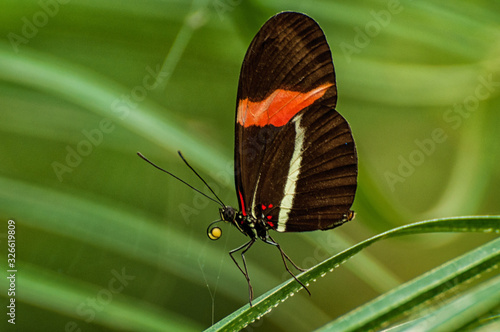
(215, 233)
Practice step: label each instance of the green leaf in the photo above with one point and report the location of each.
(265, 303)
(434, 284)
(456, 314)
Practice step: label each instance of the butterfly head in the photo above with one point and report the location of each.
(227, 214)
(230, 215)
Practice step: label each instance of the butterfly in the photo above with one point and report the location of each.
(295, 160)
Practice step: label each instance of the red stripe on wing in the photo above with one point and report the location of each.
(242, 202)
(278, 108)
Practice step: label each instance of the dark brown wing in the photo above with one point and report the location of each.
(295, 159)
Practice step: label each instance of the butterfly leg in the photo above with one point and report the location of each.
(244, 247)
(284, 257)
(290, 260)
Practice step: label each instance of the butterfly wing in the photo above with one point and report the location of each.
(295, 158)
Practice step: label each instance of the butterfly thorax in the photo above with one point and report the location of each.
(247, 224)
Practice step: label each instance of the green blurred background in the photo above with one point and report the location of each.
(106, 242)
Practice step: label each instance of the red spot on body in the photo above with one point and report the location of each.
(278, 108)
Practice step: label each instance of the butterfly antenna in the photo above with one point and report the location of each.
(198, 175)
(187, 184)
